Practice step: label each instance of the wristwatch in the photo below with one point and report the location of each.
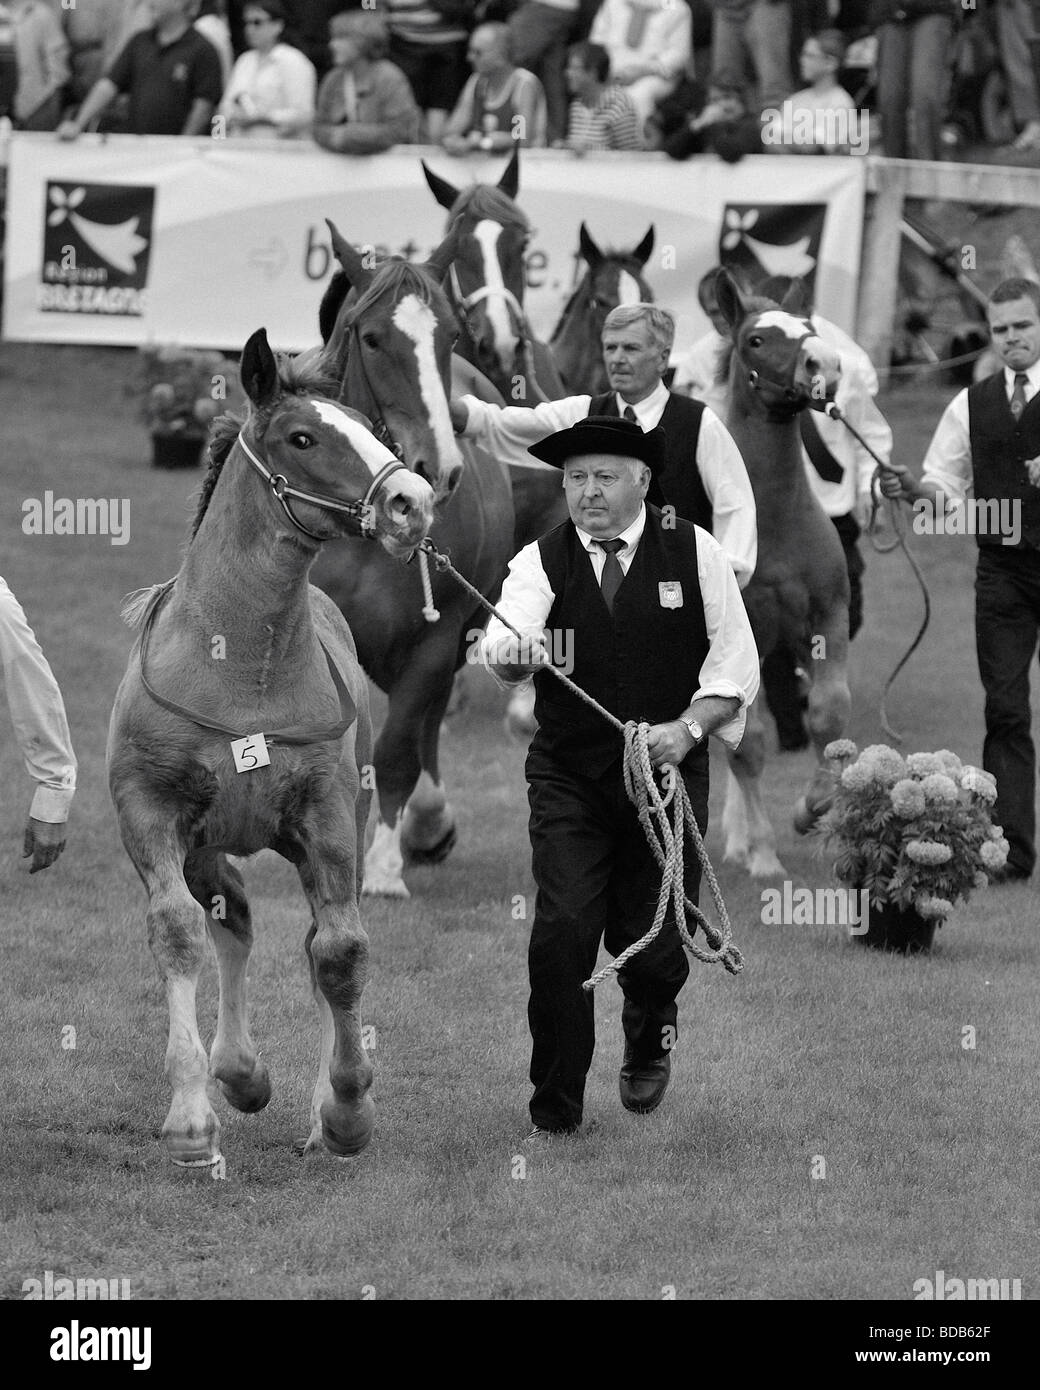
(696, 732)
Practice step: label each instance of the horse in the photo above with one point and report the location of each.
(487, 281)
(246, 645)
(612, 278)
(389, 349)
(799, 594)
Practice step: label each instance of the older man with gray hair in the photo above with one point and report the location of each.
(702, 478)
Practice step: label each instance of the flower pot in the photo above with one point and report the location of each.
(891, 928)
(177, 450)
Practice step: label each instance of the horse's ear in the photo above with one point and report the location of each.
(590, 252)
(258, 370)
(642, 251)
(353, 266)
(731, 301)
(796, 297)
(442, 257)
(446, 193)
(509, 183)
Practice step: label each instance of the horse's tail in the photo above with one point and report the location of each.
(136, 605)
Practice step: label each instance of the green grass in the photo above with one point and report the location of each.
(821, 1048)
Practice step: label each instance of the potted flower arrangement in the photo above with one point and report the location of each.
(184, 390)
(915, 832)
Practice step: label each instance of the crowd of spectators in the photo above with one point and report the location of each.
(357, 76)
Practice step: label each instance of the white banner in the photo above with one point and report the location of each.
(130, 240)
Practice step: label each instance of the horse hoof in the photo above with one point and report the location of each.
(765, 864)
(192, 1138)
(380, 886)
(432, 854)
(249, 1095)
(347, 1129)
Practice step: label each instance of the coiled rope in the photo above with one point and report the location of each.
(665, 837)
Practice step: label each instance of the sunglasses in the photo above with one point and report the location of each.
(254, 23)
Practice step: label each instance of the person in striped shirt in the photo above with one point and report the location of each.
(602, 116)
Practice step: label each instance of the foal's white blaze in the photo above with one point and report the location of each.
(487, 234)
(788, 324)
(418, 322)
(628, 288)
(374, 455)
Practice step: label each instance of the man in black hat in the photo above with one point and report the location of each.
(647, 619)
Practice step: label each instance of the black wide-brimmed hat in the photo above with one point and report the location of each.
(603, 434)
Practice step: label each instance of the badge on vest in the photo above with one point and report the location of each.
(670, 591)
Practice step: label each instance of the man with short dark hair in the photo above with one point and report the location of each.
(601, 115)
(655, 630)
(989, 440)
(170, 73)
(702, 479)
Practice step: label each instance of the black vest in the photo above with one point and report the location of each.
(641, 662)
(1000, 445)
(679, 483)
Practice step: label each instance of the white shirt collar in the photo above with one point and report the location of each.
(1033, 373)
(631, 535)
(649, 410)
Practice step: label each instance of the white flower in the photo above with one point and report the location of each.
(928, 852)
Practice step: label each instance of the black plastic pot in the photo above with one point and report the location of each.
(901, 929)
(177, 450)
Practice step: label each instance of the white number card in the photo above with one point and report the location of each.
(250, 753)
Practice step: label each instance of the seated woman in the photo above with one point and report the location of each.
(501, 105)
(272, 87)
(365, 104)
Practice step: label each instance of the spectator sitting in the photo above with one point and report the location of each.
(170, 73)
(649, 42)
(808, 124)
(272, 87)
(602, 116)
(365, 104)
(539, 31)
(428, 43)
(501, 104)
(41, 54)
(724, 126)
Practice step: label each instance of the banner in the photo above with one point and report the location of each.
(131, 240)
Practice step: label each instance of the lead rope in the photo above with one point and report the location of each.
(431, 614)
(899, 542)
(665, 838)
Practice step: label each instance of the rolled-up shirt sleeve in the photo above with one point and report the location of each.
(731, 667)
(37, 712)
(526, 601)
(506, 431)
(947, 463)
(726, 481)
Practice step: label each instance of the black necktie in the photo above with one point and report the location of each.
(1018, 395)
(629, 414)
(610, 579)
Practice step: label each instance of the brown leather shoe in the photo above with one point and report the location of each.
(642, 1085)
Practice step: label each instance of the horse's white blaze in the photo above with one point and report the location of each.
(374, 455)
(628, 288)
(418, 322)
(788, 324)
(487, 234)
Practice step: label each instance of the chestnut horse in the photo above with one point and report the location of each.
(242, 724)
(799, 594)
(390, 350)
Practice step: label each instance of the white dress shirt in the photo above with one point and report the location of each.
(278, 86)
(695, 376)
(947, 463)
(507, 431)
(731, 666)
(37, 713)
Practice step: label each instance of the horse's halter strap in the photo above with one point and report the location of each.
(359, 511)
(296, 737)
(463, 303)
(380, 429)
(756, 379)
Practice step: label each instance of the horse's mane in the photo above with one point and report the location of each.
(755, 304)
(296, 377)
(395, 276)
(483, 200)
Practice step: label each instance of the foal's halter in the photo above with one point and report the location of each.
(757, 379)
(463, 304)
(359, 511)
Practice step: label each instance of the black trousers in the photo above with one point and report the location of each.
(779, 682)
(596, 879)
(1007, 625)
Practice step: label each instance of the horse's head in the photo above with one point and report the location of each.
(612, 278)
(389, 347)
(778, 361)
(486, 279)
(329, 473)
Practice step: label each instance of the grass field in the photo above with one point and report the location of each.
(820, 1050)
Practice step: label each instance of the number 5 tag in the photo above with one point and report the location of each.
(250, 753)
